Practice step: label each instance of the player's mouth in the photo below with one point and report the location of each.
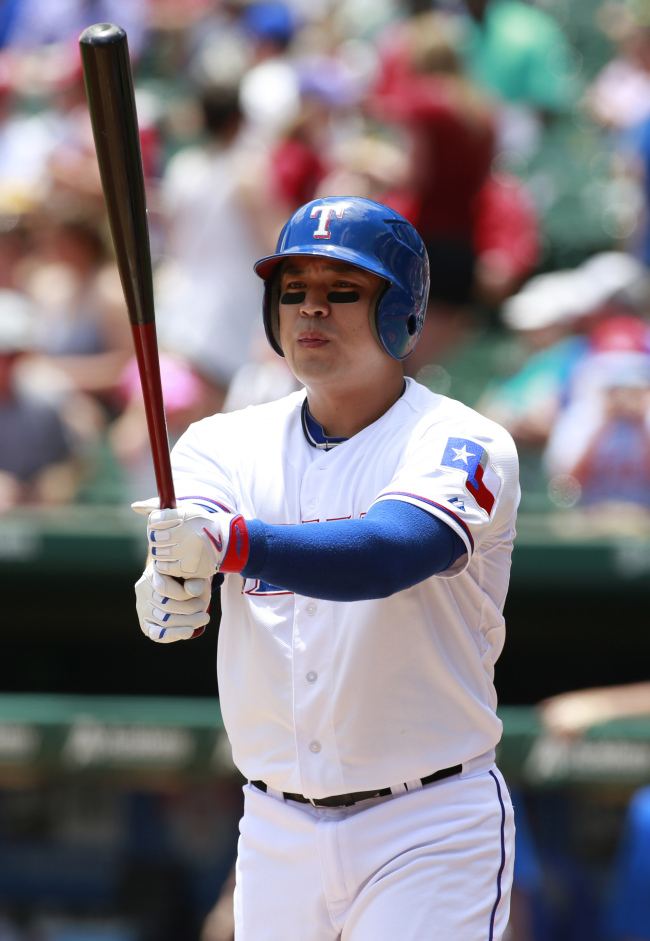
(312, 340)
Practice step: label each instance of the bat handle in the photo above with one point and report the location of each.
(146, 351)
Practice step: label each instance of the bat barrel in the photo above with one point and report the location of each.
(109, 86)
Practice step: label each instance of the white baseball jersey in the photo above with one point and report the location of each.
(321, 697)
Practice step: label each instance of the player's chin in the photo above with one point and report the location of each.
(310, 360)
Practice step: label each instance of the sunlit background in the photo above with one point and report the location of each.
(516, 137)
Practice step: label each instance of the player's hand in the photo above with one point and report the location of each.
(187, 542)
(170, 611)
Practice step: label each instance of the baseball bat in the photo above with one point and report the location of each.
(109, 88)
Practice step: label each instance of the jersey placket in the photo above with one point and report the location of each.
(312, 647)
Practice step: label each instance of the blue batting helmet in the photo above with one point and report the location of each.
(371, 236)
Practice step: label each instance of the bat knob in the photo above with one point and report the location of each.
(102, 34)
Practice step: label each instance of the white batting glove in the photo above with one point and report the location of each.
(188, 542)
(170, 611)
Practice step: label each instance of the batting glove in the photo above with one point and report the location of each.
(170, 611)
(190, 541)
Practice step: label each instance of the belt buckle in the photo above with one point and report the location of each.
(324, 805)
(316, 803)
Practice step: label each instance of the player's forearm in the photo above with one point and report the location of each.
(394, 547)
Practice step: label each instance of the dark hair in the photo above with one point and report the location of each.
(220, 104)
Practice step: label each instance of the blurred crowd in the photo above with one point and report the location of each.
(470, 117)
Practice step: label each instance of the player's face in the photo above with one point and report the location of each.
(325, 321)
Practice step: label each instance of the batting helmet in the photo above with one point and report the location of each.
(371, 236)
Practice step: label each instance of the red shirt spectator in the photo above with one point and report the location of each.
(506, 237)
(297, 171)
(450, 131)
(450, 127)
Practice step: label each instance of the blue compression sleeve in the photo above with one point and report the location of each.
(396, 545)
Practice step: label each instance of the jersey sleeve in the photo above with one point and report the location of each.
(467, 478)
(201, 474)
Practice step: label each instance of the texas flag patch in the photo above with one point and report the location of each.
(482, 481)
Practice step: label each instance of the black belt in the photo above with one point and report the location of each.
(346, 800)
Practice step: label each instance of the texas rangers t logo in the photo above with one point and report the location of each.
(326, 213)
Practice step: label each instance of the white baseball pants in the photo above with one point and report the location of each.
(433, 864)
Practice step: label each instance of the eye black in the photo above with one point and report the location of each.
(293, 297)
(343, 297)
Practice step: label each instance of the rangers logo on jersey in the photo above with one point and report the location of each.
(482, 481)
(326, 213)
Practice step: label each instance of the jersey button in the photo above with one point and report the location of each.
(312, 608)
(312, 677)
(315, 747)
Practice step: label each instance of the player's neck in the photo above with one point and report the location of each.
(343, 412)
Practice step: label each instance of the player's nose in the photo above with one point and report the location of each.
(315, 303)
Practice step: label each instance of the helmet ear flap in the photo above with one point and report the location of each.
(272, 311)
(373, 312)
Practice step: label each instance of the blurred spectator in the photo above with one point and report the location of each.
(37, 463)
(47, 154)
(602, 440)
(215, 207)
(450, 136)
(297, 162)
(371, 167)
(450, 140)
(186, 399)
(14, 245)
(637, 154)
(613, 283)
(270, 89)
(306, 151)
(619, 96)
(72, 165)
(26, 143)
(506, 238)
(217, 50)
(519, 53)
(82, 324)
(542, 315)
(552, 316)
(570, 714)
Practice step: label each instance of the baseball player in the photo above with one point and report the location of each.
(362, 531)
